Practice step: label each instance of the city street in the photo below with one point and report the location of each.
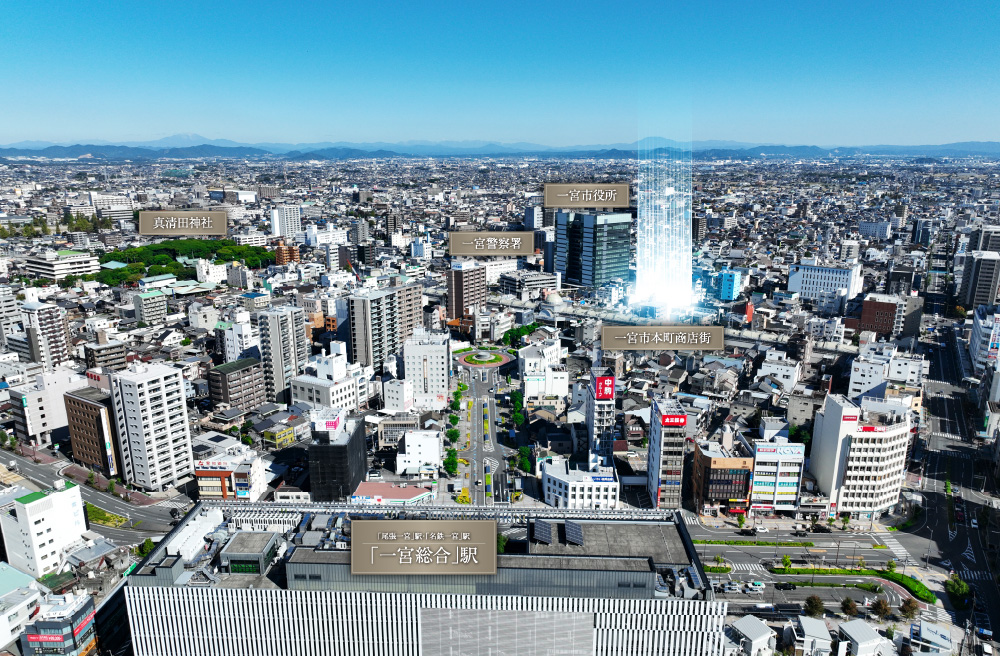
(484, 449)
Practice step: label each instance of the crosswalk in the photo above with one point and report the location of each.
(170, 503)
(939, 615)
(897, 549)
(748, 567)
(975, 575)
(948, 436)
(690, 520)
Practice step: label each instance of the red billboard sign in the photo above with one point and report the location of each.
(40, 637)
(84, 622)
(604, 388)
(872, 429)
(849, 418)
(673, 420)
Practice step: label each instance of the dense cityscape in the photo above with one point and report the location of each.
(195, 428)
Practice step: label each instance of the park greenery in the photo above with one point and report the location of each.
(451, 462)
(912, 585)
(513, 336)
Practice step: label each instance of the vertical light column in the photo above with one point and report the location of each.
(663, 247)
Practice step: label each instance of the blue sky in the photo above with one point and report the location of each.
(829, 73)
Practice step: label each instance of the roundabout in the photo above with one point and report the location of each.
(483, 358)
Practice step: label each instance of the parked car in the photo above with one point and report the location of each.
(784, 586)
(732, 588)
(756, 585)
(974, 523)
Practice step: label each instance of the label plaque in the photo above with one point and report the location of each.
(586, 194)
(662, 338)
(193, 223)
(498, 244)
(423, 546)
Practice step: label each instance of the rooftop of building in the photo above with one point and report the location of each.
(90, 394)
(236, 365)
(38, 496)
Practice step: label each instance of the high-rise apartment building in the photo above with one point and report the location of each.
(380, 321)
(46, 337)
(37, 406)
(40, 527)
(152, 425)
(427, 364)
(592, 249)
(985, 238)
(730, 284)
(337, 461)
(238, 384)
(466, 287)
(91, 421)
(665, 457)
(286, 220)
(109, 354)
(601, 413)
(284, 348)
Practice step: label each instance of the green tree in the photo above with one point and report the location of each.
(786, 561)
(814, 606)
(881, 609)
(741, 520)
(455, 405)
(890, 566)
(91, 478)
(517, 418)
(813, 521)
(890, 631)
(452, 434)
(451, 462)
(142, 324)
(501, 543)
(68, 281)
(848, 607)
(111, 487)
(28, 232)
(861, 562)
(956, 587)
(453, 420)
(146, 547)
(845, 519)
(186, 341)
(909, 608)
(719, 559)
(831, 521)
(799, 434)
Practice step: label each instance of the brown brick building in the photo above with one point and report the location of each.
(92, 433)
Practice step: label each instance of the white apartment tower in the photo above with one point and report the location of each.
(284, 348)
(46, 332)
(601, 413)
(286, 220)
(40, 527)
(153, 433)
(427, 364)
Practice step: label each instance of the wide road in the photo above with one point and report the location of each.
(44, 475)
(487, 450)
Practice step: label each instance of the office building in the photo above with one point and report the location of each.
(518, 282)
(891, 316)
(632, 587)
(879, 363)
(337, 455)
(110, 354)
(10, 313)
(699, 226)
(63, 624)
(238, 384)
(565, 486)
(286, 254)
(150, 307)
(859, 454)
(828, 286)
(984, 341)
(427, 365)
(240, 339)
(38, 409)
(392, 428)
(980, 279)
(331, 381)
(665, 456)
(226, 469)
(208, 271)
(592, 250)
(466, 288)
(91, 422)
(419, 454)
(985, 238)
(40, 528)
(153, 433)
(380, 322)
(730, 284)
(286, 220)
(721, 478)
(534, 217)
(875, 229)
(56, 265)
(284, 348)
(777, 473)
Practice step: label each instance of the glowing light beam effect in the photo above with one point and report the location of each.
(663, 248)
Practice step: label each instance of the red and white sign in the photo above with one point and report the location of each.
(872, 429)
(38, 637)
(849, 418)
(674, 420)
(333, 425)
(604, 388)
(84, 622)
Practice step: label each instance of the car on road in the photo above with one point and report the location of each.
(479, 482)
(747, 531)
(760, 528)
(784, 586)
(732, 588)
(974, 523)
(821, 529)
(959, 515)
(756, 585)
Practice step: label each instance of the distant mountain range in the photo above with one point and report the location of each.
(193, 146)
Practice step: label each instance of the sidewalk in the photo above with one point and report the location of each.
(789, 524)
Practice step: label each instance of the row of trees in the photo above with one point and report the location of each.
(220, 250)
(814, 607)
